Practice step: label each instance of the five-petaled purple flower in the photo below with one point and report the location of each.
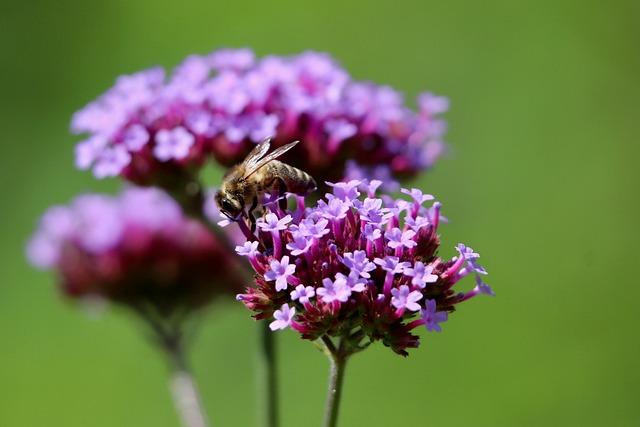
(432, 318)
(334, 290)
(299, 245)
(283, 317)
(312, 228)
(404, 297)
(392, 264)
(398, 238)
(282, 272)
(248, 249)
(421, 274)
(272, 223)
(303, 293)
(358, 263)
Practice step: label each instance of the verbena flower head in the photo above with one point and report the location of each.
(151, 127)
(137, 248)
(358, 268)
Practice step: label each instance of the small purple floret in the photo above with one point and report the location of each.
(280, 271)
(433, 318)
(284, 317)
(421, 274)
(303, 293)
(358, 263)
(404, 297)
(272, 223)
(331, 291)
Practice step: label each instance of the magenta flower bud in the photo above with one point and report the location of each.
(137, 249)
(154, 127)
(330, 280)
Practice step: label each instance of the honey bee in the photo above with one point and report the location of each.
(245, 184)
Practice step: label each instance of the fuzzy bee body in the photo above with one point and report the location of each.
(294, 180)
(245, 184)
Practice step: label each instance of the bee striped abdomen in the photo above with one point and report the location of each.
(295, 180)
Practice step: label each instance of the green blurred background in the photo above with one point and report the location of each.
(542, 179)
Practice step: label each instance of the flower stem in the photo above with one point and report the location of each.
(187, 399)
(334, 392)
(185, 395)
(269, 374)
(183, 388)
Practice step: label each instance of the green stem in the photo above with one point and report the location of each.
(336, 378)
(184, 391)
(169, 338)
(269, 374)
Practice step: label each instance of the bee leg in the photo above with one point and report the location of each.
(251, 216)
(282, 195)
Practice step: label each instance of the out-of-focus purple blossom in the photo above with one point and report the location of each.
(248, 249)
(433, 104)
(380, 173)
(136, 137)
(356, 281)
(109, 161)
(137, 248)
(173, 144)
(149, 125)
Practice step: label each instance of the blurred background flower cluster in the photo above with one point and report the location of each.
(539, 174)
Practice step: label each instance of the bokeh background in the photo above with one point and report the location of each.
(542, 179)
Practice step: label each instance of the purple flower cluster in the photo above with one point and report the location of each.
(150, 125)
(357, 267)
(136, 248)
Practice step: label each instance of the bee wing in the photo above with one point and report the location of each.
(256, 154)
(271, 156)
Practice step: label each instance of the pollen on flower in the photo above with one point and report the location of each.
(357, 268)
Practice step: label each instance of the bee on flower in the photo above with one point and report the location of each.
(356, 268)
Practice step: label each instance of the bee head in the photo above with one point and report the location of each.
(229, 205)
